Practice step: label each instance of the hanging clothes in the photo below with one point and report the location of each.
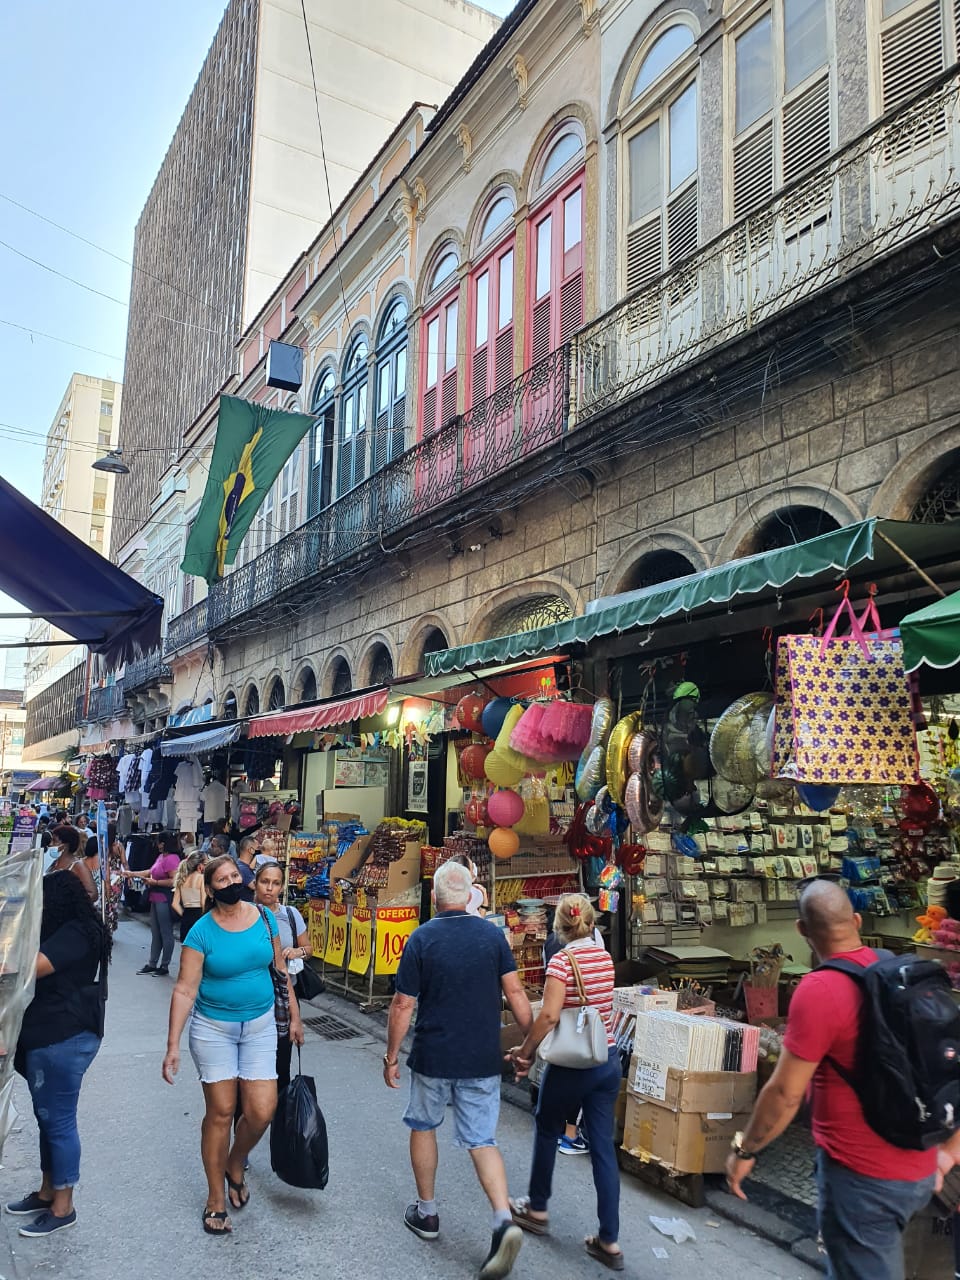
(214, 797)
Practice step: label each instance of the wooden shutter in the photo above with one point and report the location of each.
(503, 369)
(448, 408)
(381, 448)
(753, 170)
(571, 307)
(644, 253)
(806, 129)
(540, 345)
(910, 54)
(479, 387)
(430, 411)
(682, 225)
(398, 432)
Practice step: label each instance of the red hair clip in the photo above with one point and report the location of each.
(574, 912)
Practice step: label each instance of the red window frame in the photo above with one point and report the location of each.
(438, 401)
(557, 313)
(490, 362)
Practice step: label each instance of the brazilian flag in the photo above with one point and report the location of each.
(251, 446)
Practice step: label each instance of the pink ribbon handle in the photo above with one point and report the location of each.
(856, 630)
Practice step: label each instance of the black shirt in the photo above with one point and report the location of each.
(247, 875)
(58, 1009)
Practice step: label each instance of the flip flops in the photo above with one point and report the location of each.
(212, 1215)
(612, 1261)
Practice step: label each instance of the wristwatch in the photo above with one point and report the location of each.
(390, 1062)
(736, 1146)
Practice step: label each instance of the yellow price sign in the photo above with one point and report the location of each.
(336, 935)
(318, 930)
(394, 927)
(361, 930)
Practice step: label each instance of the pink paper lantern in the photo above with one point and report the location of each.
(505, 808)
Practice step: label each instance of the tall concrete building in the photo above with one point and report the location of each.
(84, 427)
(249, 179)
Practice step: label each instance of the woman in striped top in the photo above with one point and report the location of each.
(565, 1090)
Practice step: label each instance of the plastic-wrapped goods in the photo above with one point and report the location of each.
(20, 905)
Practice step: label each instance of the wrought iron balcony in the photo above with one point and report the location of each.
(105, 703)
(509, 427)
(146, 671)
(890, 186)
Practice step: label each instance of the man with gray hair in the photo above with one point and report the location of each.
(454, 970)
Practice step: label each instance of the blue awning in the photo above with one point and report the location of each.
(59, 578)
(195, 744)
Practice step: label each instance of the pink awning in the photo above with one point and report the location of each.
(325, 716)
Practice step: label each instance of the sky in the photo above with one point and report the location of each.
(91, 94)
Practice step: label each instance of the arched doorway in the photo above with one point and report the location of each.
(940, 501)
(655, 567)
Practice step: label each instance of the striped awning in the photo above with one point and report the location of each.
(325, 715)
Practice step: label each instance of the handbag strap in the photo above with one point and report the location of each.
(578, 979)
(856, 631)
(266, 925)
(291, 924)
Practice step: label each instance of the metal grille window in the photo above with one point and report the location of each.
(352, 435)
(661, 140)
(277, 697)
(940, 502)
(782, 99)
(391, 386)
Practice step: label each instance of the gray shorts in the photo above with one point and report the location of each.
(476, 1108)
(234, 1050)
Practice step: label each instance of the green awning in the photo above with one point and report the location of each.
(932, 635)
(819, 561)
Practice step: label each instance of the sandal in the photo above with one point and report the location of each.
(238, 1188)
(613, 1261)
(520, 1210)
(216, 1215)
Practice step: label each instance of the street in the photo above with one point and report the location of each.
(141, 1189)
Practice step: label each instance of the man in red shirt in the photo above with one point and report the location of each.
(868, 1189)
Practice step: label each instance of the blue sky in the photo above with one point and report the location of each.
(92, 93)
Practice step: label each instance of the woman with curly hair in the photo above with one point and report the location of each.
(61, 1033)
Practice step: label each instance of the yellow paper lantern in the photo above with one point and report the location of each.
(536, 817)
(500, 771)
(504, 842)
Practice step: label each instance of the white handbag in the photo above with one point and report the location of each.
(579, 1039)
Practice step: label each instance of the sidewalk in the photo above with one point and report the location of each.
(142, 1188)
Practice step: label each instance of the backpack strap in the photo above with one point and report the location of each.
(858, 973)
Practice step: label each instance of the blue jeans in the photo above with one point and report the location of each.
(563, 1092)
(54, 1075)
(862, 1220)
(161, 930)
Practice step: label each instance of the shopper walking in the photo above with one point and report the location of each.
(159, 882)
(58, 1040)
(225, 990)
(188, 892)
(868, 1189)
(66, 842)
(453, 971)
(565, 1091)
(294, 946)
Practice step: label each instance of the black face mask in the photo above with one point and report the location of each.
(229, 895)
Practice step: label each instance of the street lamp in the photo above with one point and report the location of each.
(112, 462)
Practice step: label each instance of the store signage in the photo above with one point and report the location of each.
(24, 830)
(361, 929)
(336, 935)
(318, 930)
(394, 927)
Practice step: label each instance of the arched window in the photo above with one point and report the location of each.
(782, 99)
(252, 705)
(434, 641)
(787, 527)
(940, 501)
(656, 567)
(555, 248)
(229, 705)
(341, 679)
(438, 346)
(660, 144)
(391, 385)
(306, 686)
(380, 665)
(352, 436)
(323, 409)
(277, 697)
(490, 291)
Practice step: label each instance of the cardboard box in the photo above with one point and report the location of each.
(628, 1000)
(684, 1141)
(349, 863)
(403, 876)
(721, 1093)
(928, 1244)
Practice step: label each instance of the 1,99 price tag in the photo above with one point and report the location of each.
(318, 931)
(394, 927)
(361, 929)
(336, 935)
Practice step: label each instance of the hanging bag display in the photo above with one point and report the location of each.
(844, 705)
(579, 1039)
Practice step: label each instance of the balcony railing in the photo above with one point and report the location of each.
(105, 703)
(888, 187)
(510, 426)
(145, 671)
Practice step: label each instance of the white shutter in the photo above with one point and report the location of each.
(682, 230)
(753, 170)
(644, 254)
(806, 129)
(910, 54)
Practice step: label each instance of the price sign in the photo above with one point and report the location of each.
(361, 929)
(336, 935)
(318, 930)
(394, 927)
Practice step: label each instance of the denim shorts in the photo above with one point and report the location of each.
(476, 1108)
(234, 1050)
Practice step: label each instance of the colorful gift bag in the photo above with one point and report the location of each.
(844, 708)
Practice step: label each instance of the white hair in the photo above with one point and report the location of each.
(452, 885)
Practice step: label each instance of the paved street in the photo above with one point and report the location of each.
(142, 1190)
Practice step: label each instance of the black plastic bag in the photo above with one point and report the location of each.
(299, 1154)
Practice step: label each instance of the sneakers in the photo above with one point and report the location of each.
(147, 968)
(577, 1146)
(31, 1204)
(47, 1223)
(504, 1248)
(161, 971)
(427, 1228)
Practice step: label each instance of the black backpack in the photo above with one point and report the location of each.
(907, 1070)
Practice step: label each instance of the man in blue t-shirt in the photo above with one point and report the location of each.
(454, 970)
